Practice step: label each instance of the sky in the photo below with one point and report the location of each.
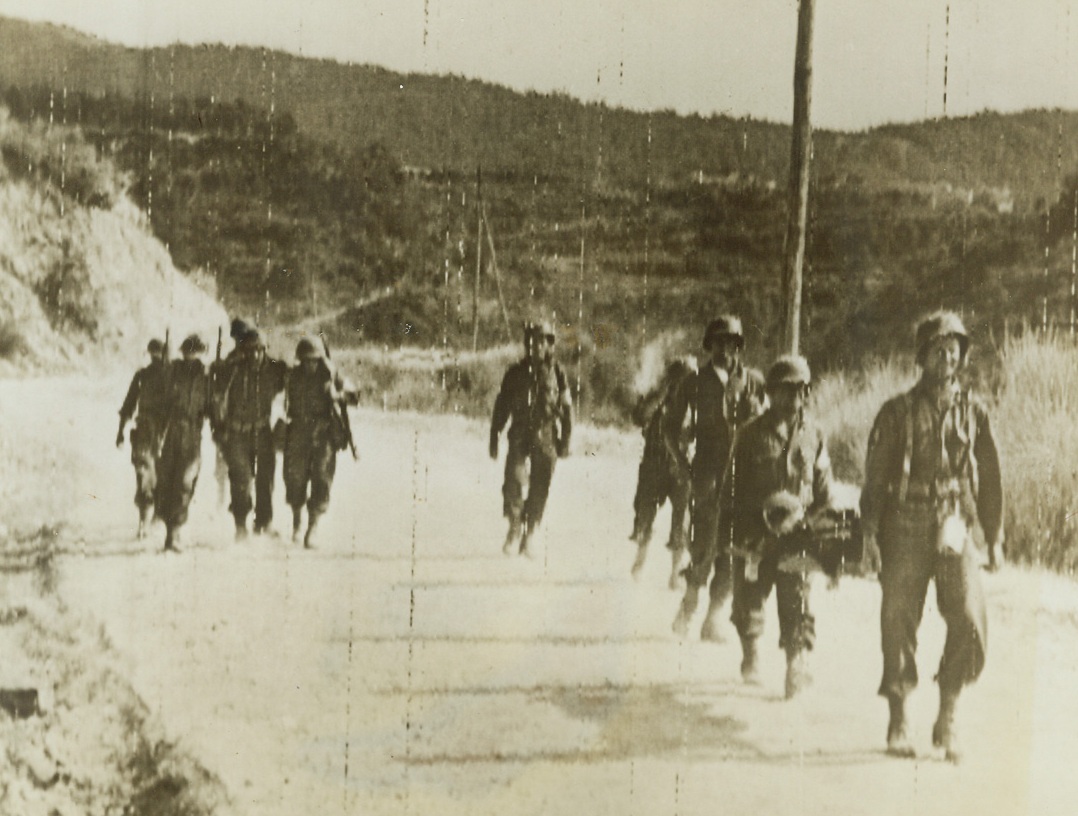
(874, 61)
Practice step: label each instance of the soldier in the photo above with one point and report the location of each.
(659, 476)
(708, 408)
(251, 382)
(181, 453)
(933, 494)
(218, 380)
(781, 455)
(148, 396)
(314, 400)
(535, 396)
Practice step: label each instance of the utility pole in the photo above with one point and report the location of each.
(800, 155)
(478, 254)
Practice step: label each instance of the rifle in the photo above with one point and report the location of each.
(165, 355)
(340, 409)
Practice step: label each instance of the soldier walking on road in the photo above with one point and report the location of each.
(147, 397)
(219, 369)
(314, 402)
(535, 400)
(251, 382)
(708, 408)
(932, 496)
(779, 457)
(660, 476)
(181, 452)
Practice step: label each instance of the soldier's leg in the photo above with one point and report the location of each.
(797, 626)
(143, 458)
(220, 473)
(960, 596)
(645, 505)
(539, 478)
(239, 452)
(516, 476)
(322, 469)
(701, 550)
(908, 551)
(265, 473)
(678, 543)
(188, 465)
(296, 467)
(750, 595)
(719, 590)
(167, 468)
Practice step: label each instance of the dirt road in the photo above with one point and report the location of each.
(406, 666)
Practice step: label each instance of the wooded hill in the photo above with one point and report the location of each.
(306, 187)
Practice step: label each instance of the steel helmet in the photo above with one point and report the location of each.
(192, 344)
(789, 368)
(539, 329)
(941, 324)
(307, 349)
(155, 346)
(724, 326)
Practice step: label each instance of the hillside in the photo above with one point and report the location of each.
(454, 123)
(83, 282)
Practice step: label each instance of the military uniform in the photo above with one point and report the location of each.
(919, 450)
(771, 457)
(147, 397)
(534, 399)
(249, 384)
(181, 454)
(313, 400)
(709, 407)
(659, 476)
(932, 497)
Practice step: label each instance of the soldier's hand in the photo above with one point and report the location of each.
(493, 449)
(871, 563)
(120, 439)
(995, 557)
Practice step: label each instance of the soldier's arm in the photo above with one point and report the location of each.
(500, 415)
(673, 421)
(127, 410)
(756, 395)
(565, 413)
(881, 457)
(823, 492)
(990, 481)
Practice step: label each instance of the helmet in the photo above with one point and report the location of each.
(192, 344)
(789, 368)
(307, 349)
(724, 326)
(941, 324)
(155, 346)
(539, 330)
(253, 339)
(238, 329)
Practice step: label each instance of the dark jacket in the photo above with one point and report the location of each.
(918, 450)
(535, 400)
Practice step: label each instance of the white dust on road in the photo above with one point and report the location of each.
(408, 667)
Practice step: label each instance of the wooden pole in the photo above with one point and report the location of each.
(478, 255)
(800, 155)
(497, 275)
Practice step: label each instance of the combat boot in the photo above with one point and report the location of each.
(798, 677)
(677, 580)
(686, 610)
(898, 738)
(641, 557)
(310, 541)
(750, 662)
(512, 537)
(172, 538)
(297, 523)
(529, 543)
(168, 538)
(712, 628)
(943, 732)
(143, 522)
(241, 531)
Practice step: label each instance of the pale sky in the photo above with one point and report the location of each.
(875, 60)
